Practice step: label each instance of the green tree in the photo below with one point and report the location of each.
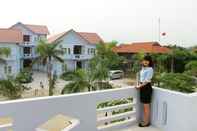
(104, 60)
(178, 81)
(80, 80)
(4, 52)
(48, 52)
(96, 75)
(191, 68)
(105, 51)
(11, 88)
(137, 58)
(180, 57)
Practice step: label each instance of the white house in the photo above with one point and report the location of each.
(10, 38)
(78, 47)
(31, 34)
(22, 39)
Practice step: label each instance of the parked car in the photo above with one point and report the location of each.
(116, 74)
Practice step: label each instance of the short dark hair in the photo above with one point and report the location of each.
(148, 58)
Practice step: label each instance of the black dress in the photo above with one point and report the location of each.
(146, 93)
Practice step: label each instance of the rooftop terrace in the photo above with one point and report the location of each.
(171, 111)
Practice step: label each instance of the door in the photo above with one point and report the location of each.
(79, 64)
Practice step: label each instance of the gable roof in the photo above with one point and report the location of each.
(137, 47)
(38, 29)
(92, 38)
(10, 36)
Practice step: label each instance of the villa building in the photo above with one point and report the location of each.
(22, 39)
(10, 38)
(128, 50)
(78, 47)
(30, 34)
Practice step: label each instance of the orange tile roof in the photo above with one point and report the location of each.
(55, 37)
(39, 29)
(10, 36)
(92, 38)
(146, 47)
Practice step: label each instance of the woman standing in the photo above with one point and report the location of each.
(145, 88)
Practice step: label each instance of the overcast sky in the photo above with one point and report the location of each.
(122, 20)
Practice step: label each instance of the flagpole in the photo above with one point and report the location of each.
(159, 30)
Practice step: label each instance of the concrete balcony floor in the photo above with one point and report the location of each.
(136, 128)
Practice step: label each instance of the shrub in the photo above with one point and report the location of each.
(191, 68)
(25, 76)
(178, 82)
(11, 88)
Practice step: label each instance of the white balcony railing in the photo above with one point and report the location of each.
(171, 111)
(29, 114)
(27, 44)
(28, 55)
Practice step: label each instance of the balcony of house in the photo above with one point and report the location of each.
(79, 53)
(28, 53)
(27, 44)
(171, 111)
(27, 41)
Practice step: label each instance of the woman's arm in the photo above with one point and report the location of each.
(147, 79)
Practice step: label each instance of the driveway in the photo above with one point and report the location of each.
(40, 77)
(122, 82)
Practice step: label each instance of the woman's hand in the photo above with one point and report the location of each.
(138, 87)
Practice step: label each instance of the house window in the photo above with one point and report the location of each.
(27, 50)
(26, 38)
(7, 69)
(64, 67)
(68, 50)
(65, 50)
(92, 50)
(88, 51)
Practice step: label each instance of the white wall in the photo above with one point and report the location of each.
(13, 60)
(181, 109)
(180, 112)
(25, 31)
(29, 114)
(69, 41)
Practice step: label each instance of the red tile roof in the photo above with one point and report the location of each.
(146, 47)
(10, 36)
(92, 38)
(39, 29)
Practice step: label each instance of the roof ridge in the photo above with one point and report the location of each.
(34, 25)
(88, 32)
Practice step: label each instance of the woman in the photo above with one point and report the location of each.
(145, 88)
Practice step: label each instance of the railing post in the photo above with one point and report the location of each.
(138, 107)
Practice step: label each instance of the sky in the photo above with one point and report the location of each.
(125, 21)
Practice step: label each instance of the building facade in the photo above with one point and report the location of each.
(30, 36)
(78, 48)
(11, 39)
(22, 39)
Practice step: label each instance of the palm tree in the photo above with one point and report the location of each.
(4, 52)
(98, 71)
(104, 60)
(48, 52)
(81, 80)
(11, 88)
